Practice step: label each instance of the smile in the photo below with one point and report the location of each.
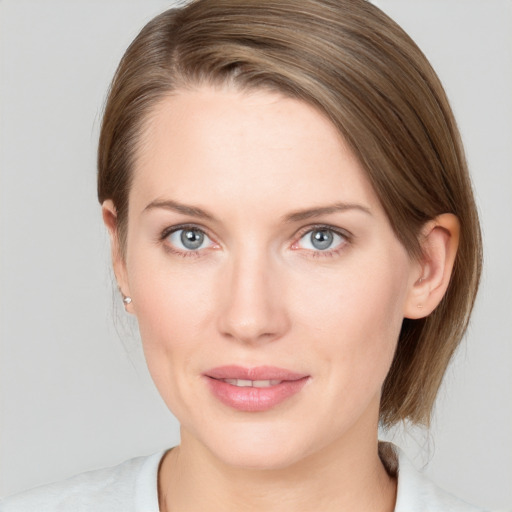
(242, 383)
(254, 389)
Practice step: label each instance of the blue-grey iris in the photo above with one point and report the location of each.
(321, 239)
(192, 238)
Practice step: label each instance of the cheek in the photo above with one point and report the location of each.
(171, 306)
(356, 318)
(165, 290)
(170, 309)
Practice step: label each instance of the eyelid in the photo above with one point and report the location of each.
(318, 227)
(346, 235)
(164, 235)
(177, 227)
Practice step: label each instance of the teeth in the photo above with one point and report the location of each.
(252, 383)
(265, 383)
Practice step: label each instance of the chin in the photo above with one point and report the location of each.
(258, 447)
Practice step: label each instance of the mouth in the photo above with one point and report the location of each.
(242, 383)
(254, 389)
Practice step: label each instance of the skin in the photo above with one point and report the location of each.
(257, 292)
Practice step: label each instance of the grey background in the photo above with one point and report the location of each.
(74, 391)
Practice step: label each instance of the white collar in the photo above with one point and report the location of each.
(415, 491)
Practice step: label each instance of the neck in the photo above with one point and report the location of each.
(342, 476)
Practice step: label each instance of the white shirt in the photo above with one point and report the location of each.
(132, 487)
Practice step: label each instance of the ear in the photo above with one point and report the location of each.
(430, 279)
(109, 214)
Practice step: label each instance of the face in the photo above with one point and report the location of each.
(267, 282)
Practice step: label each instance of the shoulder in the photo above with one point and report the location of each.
(130, 486)
(417, 492)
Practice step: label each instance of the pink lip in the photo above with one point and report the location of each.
(253, 399)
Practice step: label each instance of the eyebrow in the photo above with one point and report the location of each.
(168, 204)
(296, 216)
(309, 213)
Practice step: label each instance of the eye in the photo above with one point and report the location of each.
(188, 239)
(321, 239)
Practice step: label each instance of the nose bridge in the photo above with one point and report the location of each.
(253, 306)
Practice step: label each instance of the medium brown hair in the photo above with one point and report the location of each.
(362, 71)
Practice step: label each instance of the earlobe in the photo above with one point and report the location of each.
(109, 214)
(439, 243)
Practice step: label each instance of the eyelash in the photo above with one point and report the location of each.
(169, 231)
(329, 253)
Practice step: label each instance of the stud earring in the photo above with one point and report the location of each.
(127, 300)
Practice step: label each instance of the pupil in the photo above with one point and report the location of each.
(321, 239)
(191, 238)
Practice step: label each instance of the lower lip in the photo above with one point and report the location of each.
(251, 399)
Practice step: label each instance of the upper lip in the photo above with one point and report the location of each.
(254, 373)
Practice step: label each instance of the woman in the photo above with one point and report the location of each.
(293, 226)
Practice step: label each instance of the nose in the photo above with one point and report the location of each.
(253, 308)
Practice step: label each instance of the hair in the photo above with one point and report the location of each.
(362, 71)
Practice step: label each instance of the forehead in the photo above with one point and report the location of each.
(223, 146)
